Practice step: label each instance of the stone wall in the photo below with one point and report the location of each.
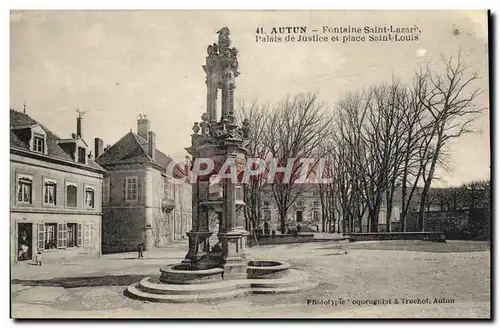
(456, 224)
(281, 239)
(430, 236)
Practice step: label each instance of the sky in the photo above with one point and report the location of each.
(119, 64)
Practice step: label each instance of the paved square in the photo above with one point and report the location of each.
(358, 284)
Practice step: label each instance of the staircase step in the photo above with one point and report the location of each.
(134, 292)
(149, 286)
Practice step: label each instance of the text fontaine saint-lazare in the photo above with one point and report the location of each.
(341, 34)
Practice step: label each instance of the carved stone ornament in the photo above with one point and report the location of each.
(224, 39)
(196, 128)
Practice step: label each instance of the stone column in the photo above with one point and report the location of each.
(235, 266)
(226, 94)
(211, 96)
(231, 97)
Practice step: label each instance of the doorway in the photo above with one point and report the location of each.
(24, 241)
(299, 216)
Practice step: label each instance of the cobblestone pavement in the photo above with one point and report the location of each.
(366, 275)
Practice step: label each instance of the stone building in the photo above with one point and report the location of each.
(55, 192)
(306, 209)
(140, 203)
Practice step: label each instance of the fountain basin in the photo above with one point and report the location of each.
(267, 269)
(179, 274)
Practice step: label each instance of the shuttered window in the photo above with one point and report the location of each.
(41, 236)
(131, 188)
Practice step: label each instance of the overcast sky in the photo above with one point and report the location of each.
(118, 64)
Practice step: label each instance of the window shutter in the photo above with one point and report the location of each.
(62, 235)
(125, 188)
(79, 235)
(41, 236)
(59, 235)
(85, 235)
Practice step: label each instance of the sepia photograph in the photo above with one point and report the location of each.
(312, 164)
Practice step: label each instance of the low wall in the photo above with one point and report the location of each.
(430, 236)
(281, 239)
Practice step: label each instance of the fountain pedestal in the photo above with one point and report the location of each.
(235, 266)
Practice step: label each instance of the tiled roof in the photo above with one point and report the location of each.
(132, 148)
(55, 151)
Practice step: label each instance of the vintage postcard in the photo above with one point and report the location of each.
(250, 164)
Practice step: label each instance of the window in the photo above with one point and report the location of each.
(72, 229)
(81, 155)
(267, 215)
(71, 195)
(59, 235)
(39, 144)
(266, 203)
(316, 215)
(315, 194)
(299, 203)
(316, 203)
(50, 235)
(131, 188)
(50, 189)
(24, 190)
(105, 190)
(89, 197)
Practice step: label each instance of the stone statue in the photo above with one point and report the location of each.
(245, 129)
(229, 75)
(234, 52)
(224, 40)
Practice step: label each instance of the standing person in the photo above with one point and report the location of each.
(298, 228)
(140, 249)
(38, 258)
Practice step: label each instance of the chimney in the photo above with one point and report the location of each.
(79, 126)
(98, 147)
(143, 126)
(152, 145)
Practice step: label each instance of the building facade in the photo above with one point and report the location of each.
(140, 202)
(305, 211)
(55, 193)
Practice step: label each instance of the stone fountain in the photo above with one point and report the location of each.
(224, 269)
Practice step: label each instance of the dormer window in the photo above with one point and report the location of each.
(39, 143)
(82, 156)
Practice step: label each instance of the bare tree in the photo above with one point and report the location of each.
(449, 97)
(296, 126)
(258, 115)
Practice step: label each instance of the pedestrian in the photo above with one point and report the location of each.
(140, 249)
(38, 258)
(298, 228)
(273, 233)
